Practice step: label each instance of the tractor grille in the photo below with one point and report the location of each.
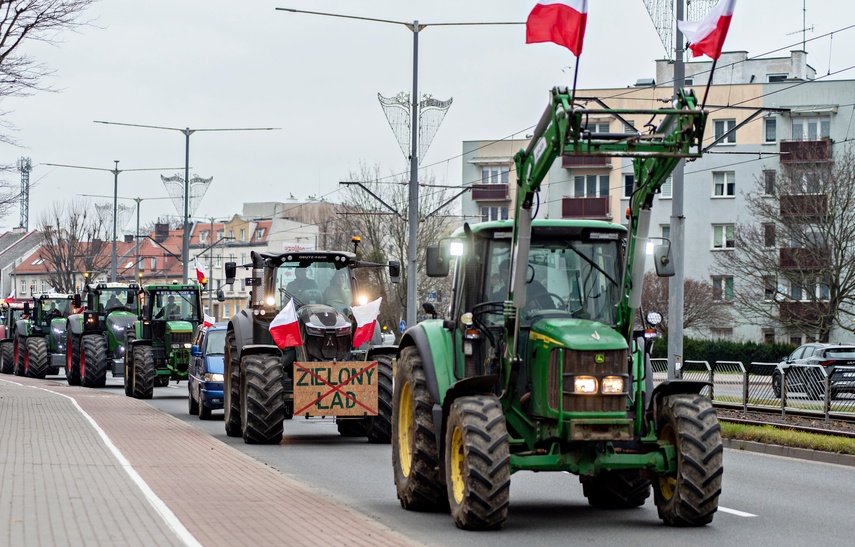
(584, 363)
(181, 338)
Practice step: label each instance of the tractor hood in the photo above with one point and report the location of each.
(58, 325)
(577, 334)
(321, 316)
(120, 321)
(179, 326)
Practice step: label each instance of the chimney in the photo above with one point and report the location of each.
(161, 232)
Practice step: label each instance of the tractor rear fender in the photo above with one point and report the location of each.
(254, 349)
(433, 340)
(241, 324)
(23, 327)
(135, 343)
(75, 323)
(671, 387)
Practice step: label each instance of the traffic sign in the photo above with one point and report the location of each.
(402, 326)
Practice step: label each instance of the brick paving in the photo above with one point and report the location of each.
(56, 468)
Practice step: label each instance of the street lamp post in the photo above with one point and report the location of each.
(185, 243)
(115, 170)
(413, 210)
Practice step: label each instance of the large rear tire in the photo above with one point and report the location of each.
(128, 378)
(72, 360)
(231, 387)
(93, 361)
(621, 489)
(350, 427)
(37, 357)
(262, 400)
(477, 463)
(7, 357)
(415, 456)
(379, 428)
(689, 496)
(142, 373)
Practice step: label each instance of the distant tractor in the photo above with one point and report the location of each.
(12, 311)
(40, 335)
(325, 376)
(157, 349)
(96, 335)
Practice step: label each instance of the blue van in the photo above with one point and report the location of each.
(205, 378)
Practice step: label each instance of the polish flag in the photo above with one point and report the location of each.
(284, 327)
(201, 274)
(366, 318)
(558, 21)
(706, 37)
(208, 321)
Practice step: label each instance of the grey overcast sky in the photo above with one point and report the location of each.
(230, 64)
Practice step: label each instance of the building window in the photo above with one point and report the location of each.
(722, 287)
(44, 285)
(243, 258)
(723, 236)
(242, 234)
(237, 309)
(219, 234)
(689, 81)
(628, 185)
(203, 237)
(770, 288)
(231, 258)
(23, 287)
(494, 213)
(597, 127)
(231, 234)
(722, 333)
(586, 186)
(811, 129)
(226, 312)
(494, 174)
(218, 261)
(666, 231)
(768, 336)
(769, 236)
(769, 183)
(629, 126)
(153, 263)
(259, 234)
(666, 188)
(724, 184)
(722, 127)
(771, 130)
(772, 78)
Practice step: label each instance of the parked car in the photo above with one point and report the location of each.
(806, 376)
(205, 378)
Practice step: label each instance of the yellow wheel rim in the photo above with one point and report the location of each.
(457, 464)
(667, 483)
(405, 428)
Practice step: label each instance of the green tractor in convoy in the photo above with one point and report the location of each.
(157, 349)
(40, 335)
(96, 335)
(539, 366)
(12, 311)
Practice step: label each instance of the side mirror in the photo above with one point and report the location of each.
(662, 261)
(230, 269)
(437, 261)
(221, 296)
(194, 350)
(395, 271)
(429, 309)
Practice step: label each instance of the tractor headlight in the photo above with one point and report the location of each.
(187, 345)
(612, 385)
(314, 331)
(343, 330)
(585, 384)
(57, 331)
(213, 377)
(118, 329)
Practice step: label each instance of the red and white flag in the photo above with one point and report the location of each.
(366, 318)
(285, 329)
(208, 321)
(201, 274)
(706, 37)
(559, 21)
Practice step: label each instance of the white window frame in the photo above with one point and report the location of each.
(724, 184)
(720, 232)
(727, 125)
(667, 188)
(494, 212)
(495, 174)
(722, 288)
(773, 122)
(804, 123)
(601, 183)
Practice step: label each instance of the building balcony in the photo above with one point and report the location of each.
(806, 151)
(804, 205)
(489, 192)
(586, 161)
(588, 208)
(803, 258)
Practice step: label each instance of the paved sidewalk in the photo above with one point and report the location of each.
(62, 485)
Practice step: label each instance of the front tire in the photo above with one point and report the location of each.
(7, 358)
(192, 403)
(231, 387)
(776, 385)
(689, 496)
(142, 373)
(72, 360)
(37, 358)
(379, 428)
(93, 361)
(128, 379)
(20, 356)
(415, 455)
(477, 463)
(621, 489)
(262, 399)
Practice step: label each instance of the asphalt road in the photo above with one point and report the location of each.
(765, 500)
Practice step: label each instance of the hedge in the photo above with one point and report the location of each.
(725, 350)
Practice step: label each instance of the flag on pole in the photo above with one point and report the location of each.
(201, 274)
(284, 327)
(208, 321)
(366, 318)
(706, 37)
(558, 21)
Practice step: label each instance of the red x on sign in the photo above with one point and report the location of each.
(347, 388)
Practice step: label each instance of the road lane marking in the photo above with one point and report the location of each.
(735, 512)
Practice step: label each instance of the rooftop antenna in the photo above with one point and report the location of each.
(804, 28)
(25, 166)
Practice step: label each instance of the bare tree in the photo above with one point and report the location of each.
(703, 307)
(21, 22)
(74, 243)
(793, 259)
(383, 230)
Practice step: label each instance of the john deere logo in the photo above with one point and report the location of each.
(600, 358)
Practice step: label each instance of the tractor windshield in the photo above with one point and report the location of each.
(53, 309)
(576, 277)
(317, 283)
(112, 299)
(176, 305)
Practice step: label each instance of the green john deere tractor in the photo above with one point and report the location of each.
(40, 335)
(96, 335)
(157, 349)
(539, 366)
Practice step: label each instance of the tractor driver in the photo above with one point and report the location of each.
(337, 294)
(113, 302)
(171, 310)
(301, 284)
(54, 311)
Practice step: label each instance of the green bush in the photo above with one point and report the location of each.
(725, 350)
